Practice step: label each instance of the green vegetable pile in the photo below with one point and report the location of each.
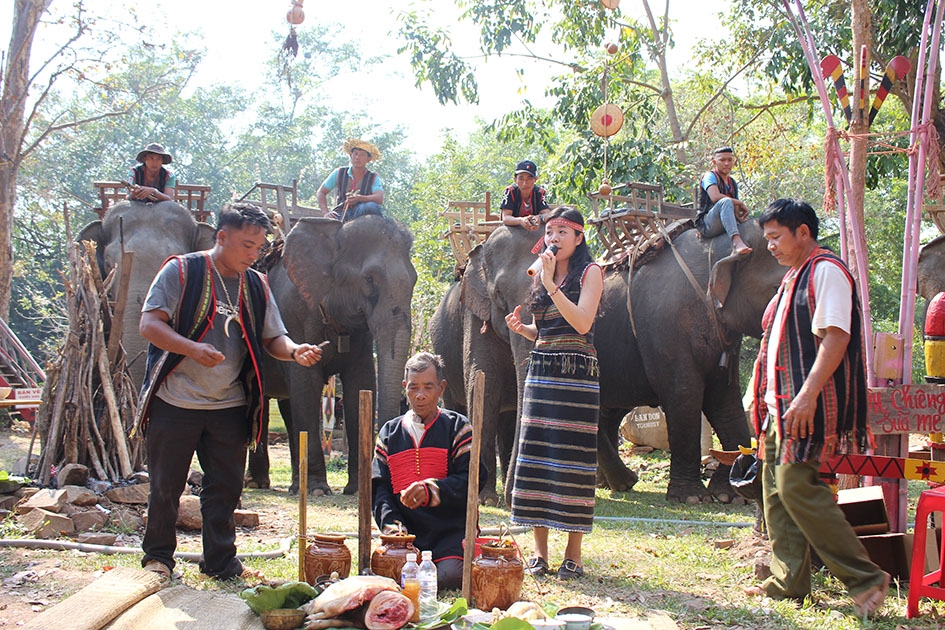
(288, 595)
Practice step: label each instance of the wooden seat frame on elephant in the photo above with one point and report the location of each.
(632, 226)
(191, 196)
(470, 223)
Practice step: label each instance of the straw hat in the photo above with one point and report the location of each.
(157, 149)
(354, 143)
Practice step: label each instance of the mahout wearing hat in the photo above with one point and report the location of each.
(526, 166)
(157, 149)
(367, 147)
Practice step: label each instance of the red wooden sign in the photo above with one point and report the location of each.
(907, 409)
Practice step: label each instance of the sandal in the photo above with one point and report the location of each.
(537, 566)
(569, 570)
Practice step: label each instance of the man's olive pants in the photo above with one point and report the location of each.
(801, 513)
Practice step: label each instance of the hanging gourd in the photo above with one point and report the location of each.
(296, 15)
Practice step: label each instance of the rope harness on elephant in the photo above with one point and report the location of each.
(705, 296)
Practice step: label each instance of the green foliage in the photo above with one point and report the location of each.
(432, 59)
(36, 307)
(288, 595)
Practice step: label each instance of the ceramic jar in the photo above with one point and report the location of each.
(497, 577)
(389, 558)
(325, 554)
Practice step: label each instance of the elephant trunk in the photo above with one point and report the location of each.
(393, 344)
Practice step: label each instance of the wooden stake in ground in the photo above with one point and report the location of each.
(472, 489)
(303, 501)
(365, 451)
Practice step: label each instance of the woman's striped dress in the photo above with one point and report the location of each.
(556, 469)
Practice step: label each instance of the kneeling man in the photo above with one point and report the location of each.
(421, 470)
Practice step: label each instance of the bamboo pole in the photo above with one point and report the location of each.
(365, 448)
(303, 502)
(472, 488)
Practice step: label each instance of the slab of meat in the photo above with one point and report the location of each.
(347, 595)
(388, 611)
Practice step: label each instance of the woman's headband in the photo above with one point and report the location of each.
(577, 227)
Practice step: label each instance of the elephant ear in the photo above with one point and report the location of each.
(310, 251)
(96, 233)
(475, 288)
(930, 278)
(204, 237)
(720, 281)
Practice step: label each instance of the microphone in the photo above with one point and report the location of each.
(536, 266)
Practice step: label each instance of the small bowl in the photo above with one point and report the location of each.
(282, 618)
(575, 621)
(548, 624)
(579, 610)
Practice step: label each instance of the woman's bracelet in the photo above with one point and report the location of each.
(552, 294)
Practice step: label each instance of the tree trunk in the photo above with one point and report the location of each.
(661, 35)
(26, 16)
(860, 19)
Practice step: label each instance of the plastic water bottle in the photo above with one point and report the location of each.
(429, 608)
(410, 583)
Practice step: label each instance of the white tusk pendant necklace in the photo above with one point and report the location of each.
(229, 310)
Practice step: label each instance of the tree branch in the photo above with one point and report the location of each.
(766, 108)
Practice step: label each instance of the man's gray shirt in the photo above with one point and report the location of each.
(191, 385)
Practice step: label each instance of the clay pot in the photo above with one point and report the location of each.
(497, 577)
(389, 558)
(296, 15)
(325, 554)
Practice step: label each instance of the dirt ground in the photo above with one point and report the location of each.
(33, 580)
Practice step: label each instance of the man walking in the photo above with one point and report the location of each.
(810, 403)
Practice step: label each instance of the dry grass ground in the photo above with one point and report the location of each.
(662, 560)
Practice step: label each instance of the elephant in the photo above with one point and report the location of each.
(463, 354)
(154, 232)
(679, 372)
(679, 354)
(349, 284)
(930, 274)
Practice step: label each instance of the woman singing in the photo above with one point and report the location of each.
(556, 468)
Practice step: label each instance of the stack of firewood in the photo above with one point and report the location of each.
(88, 398)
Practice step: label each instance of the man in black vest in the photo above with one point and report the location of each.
(720, 209)
(810, 404)
(208, 317)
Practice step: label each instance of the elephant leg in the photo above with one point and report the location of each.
(258, 473)
(305, 385)
(356, 377)
(285, 409)
(683, 409)
(611, 471)
(505, 440)
(723, 408)
(490, 421)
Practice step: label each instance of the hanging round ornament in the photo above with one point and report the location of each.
(606, 120)
(610, 4)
